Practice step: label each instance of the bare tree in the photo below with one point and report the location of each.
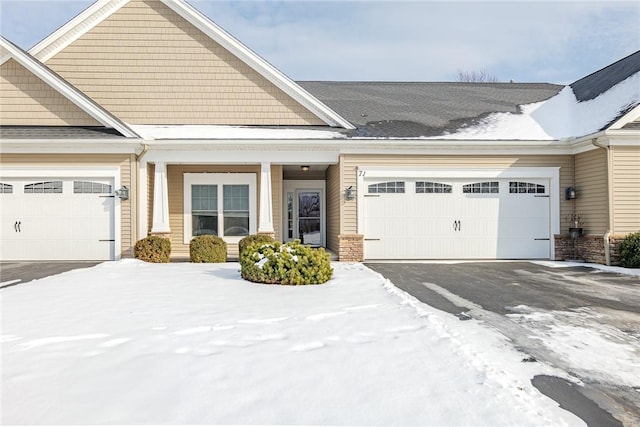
(476, 77)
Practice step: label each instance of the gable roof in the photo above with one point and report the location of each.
(102, 9)
(418, 109)
(65, 88)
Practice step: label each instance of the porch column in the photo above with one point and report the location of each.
(266, 205)
(160, 224)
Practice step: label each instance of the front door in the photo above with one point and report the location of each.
(304, 212)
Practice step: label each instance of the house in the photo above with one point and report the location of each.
(143, 117)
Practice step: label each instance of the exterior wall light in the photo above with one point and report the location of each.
(570, 193)
(350, 193)
(123, 193)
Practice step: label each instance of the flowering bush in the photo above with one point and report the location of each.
(286, 264)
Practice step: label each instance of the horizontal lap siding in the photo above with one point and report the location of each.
(276, 199)
(626, 189)
(148, 65)
(351, 162)
(333, 207)
(26, 100)
(592, 202)
(124, 162)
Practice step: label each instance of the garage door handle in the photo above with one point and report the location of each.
(457, 225)
(16, 227)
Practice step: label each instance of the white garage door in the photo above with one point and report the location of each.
(57, 219)
(456, 219)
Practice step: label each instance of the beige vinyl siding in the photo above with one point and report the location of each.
(351, 162)
(626, 189)
(26, 100)
(175, 178)
(334, 201)
(124, 162)
(276, 200)
(591, 183)
(147, 65)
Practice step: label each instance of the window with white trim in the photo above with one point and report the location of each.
(221, 204)
(424, 187)
(486, 187)
(386, 187)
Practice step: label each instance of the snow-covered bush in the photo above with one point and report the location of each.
(629, 249)
(247, 241)
(207, 248)
(286, 264)
(153, 249)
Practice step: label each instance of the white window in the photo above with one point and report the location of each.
(223, 205)
(387, 187)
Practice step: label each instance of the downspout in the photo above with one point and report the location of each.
(607, 235)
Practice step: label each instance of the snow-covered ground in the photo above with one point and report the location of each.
(128, 343)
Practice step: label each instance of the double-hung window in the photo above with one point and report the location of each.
(223, 205)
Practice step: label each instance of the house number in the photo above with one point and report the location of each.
(362, 173)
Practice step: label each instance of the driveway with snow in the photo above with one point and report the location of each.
(583, 321)
(130, 343)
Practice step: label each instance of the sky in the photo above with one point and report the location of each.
(524, 41)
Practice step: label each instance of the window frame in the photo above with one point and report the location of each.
(220, 180)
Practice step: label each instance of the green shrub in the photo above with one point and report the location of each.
(245, 242)
(153, 249)
(287, 264)
(629, 249)
(207, 248)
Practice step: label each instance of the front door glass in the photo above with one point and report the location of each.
(309, 231)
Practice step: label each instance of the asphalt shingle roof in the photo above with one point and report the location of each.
(589, 87)
(412, 109)
(58, 132)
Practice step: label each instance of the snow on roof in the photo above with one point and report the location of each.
(559, 117)
(230, 132)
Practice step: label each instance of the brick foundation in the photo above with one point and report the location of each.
(589, 247)
(351, 247)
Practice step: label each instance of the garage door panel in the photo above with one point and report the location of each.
(57, 225)
(475, 219)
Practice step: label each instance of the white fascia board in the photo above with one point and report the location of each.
(76, 28)
(66, 89)
(252, 59)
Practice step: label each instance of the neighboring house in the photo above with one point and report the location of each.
(150, 98)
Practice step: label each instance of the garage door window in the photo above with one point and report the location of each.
(44, 187)
(89, 187)
(387, 187)
(517, 187)
(6, 188)
(432, 187)
(487, 187)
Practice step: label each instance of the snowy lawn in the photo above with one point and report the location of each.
(130, 343)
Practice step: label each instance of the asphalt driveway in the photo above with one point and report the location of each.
(15, 273)
(544, 310)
